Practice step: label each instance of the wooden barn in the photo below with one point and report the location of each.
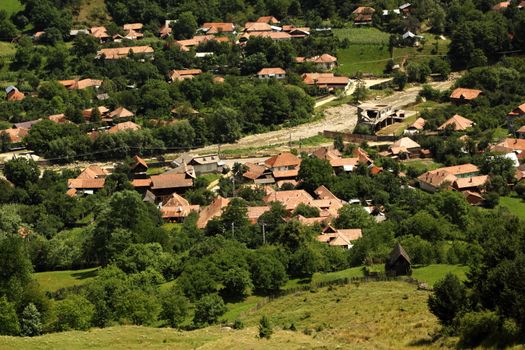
(398, 264)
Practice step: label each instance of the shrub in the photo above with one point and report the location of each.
(74, 312)
(510, 332)
(448, 299)
(238, 324)
(8, 319)
(174, 307)
(265, 328)
(477, 327)
(31, 322)
(208, 310)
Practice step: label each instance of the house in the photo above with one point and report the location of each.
(251, 27)
(198, 39)
(327, 153)
(500, 6)
(267, 73)
(412, 39)
(290, 199)
(254, 213)
(405, 8)
(100, 33)
(87, 113)
(463, 95)
(175, 208)
(433, 180)
(258, 174)
(416, 127)
(93, 172)
(298, 32)
(139, 165)
(403, 148)
(325, 80)
(123, 52)
(165, 31)
(398, 263)
(85, 186)
(378, 116)
(520, 133)
(59, 118)
(458, 123)
(131, 34)
(138, 27)
(206, 164)
(123, 127)
(13, 94)
(339, 237)
(212, 211)
(121, 113)
(363, 15)
(165, 184)
(324, 61)
(283, 162)
(183, 74)
(509, 145)
(516, 113)
(82, 84)
(218, 28)
(473, 198)
(268, 20)
(472, 183)
(77, 32)
(276, 36)
(16, 136)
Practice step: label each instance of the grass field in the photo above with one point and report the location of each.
(433, 273)
(514, 204)
(54, 280)
(365, 35)
(397, 129)
(11, 6)
(376, 315)
(422, 164)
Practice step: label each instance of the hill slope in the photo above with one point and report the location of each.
(375, 315)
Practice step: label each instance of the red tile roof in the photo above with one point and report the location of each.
(282, 160)
(126, 126)
(268, 19)
(88, 184)
(167, 181)
(460, 123)
(466, 94)
(123, 52)
(218, 27)
(211, 211)
(16, 135)
(271, 71)
(141, 183)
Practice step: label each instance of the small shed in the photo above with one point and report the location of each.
(398, 264)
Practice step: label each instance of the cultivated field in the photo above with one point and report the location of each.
(374, 315)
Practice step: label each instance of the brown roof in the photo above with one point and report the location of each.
(15, 95)
(466, 94)
(341, 162)
(141, 183)
(15, 134)
(324, 58)
(126, 126)
(184, 74)
(99, 32)
(268, 19)
(176, 200)
(438, 177)
(255, 212)
(520, 110)
(92, 172)
(282, 160)
(164, 31)
(254, 171)
(86, 183)
(468, 182)
(271, 71)
(166, 181)
(522, 129)
(419, 124)
(133, 26)
(327, 153)
(121, 112)
(140, 161)
(324, 79)
(341, 237)
(324, 193)
(178, 212)
(501, 5)
(218, 27)
(406, 142)
(290, 199)
(271, 35)
(364, 10)
(460, 123)
(211, 211)
(197, 39)
(511, 145)
(257, 27)
(279, 174)
(123, 52)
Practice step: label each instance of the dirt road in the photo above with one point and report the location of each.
(343, 117)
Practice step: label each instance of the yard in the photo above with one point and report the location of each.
(514, 204)
(51, 281)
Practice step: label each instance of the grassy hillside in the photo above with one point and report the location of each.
(11, 6)
(514, 204)
(376, 315)
(54, 280)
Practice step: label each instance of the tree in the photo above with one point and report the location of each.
(268, 273)
(237, 283)
(400, 79)
(8, 318)
(360, 93)
(75, 312)
(306, 211)
(21, 171)
(314, 172)
(448, 299)
(31, 321)
(185, 26)
(352, 216)
(208, 309)
(174, 307)
(265, 327)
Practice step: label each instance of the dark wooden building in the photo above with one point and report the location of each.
(398, 264)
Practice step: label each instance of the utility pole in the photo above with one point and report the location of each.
(233, 183)
(264, 233)
(233, 229)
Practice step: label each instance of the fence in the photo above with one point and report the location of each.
(358, 138)
(336, 282)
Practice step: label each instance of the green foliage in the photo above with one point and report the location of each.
(8, 318)
(21, 171)
(448, 300)
(30, 321)
(268, 273)
(74, 312)
(208, 309)
(174, 307)
(477, 326)
(314, 172)
(265, 328)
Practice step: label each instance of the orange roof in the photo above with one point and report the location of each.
(140, 161)
(92, 172)
(166, 181)
(15, 134)
(473, 181)
(176, 200)
(312, 221)
(466, 94)
(87, 83)
(511, 144)
(362, 155)
(15, 95)
(419, 124)
(364, 10)
(255, 212)
(268, 19)
(271, 35)
(324, 193)
(521, 130)
(141, 183)
(460, 169)
(197, 39)
(501, 5)
(290, 199)
(126, 126)
(178, 212)
(86, 183)
(271, 71)
(341, 237)
(282, 160)
(324, 79)
(99, 32)
(254, 171)
(327, 153)
(520, 110)
(279, 174)
(405, 143)
(71, 192)
(436, 178)
(217, 27)
(184, 74)
(257, 27)
(133, 26)
(121, 112)
(123, 52)
(341, 162)
(460, 123)
(324, 58)
(165, 31)
(211, 211)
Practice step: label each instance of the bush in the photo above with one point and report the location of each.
(238, 324)
(174, 307)
(477, 327)
(75, 312)
(510, 332)
(448, 299)
(8, 318)
(208, 310)
(265, 328)
(31, 322)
